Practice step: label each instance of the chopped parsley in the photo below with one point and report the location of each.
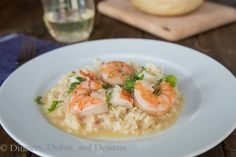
(130, 81)
(129, 84)
(170, 79)
(80, 79)
(106, 86)
(54, 105)
(161, 80)
(143, 68)
(74, 84)
(108, 96)
(138, 75)
(157, 92)
(38, 100)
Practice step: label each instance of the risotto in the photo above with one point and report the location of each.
(113, 98)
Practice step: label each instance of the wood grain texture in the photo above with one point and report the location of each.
(209, 15)
(25, 16)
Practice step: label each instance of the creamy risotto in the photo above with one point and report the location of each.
(113, 98)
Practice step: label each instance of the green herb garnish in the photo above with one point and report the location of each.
(74, 84)
(80, 79)
(54, 105)
(161, 80)
(38, 100)
(129, 84)
(130, 81)
(171, 79)
(143, 68)
(108, 96)
(106, 86)
(138, 76)
(157, 92)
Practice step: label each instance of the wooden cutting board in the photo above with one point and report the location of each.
(209, 15)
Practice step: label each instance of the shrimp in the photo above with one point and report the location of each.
(85, 73)
(88, 98)
(151, 103)
(91, 85)
(120, 97)
(115, 72)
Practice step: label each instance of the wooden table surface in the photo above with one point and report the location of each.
(25, 16)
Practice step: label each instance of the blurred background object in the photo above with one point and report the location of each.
(167, 7)
(173, 28)
(69, 21)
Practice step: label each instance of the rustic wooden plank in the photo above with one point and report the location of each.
(217, 151)
(10, 148)
(220, 45)
(229, 145)
(226, 2)
(23, 16)
(109, 28)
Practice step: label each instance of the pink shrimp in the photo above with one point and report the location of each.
(152, 103)
(115, 72)
(88, 97)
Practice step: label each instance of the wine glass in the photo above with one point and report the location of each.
(69, 21)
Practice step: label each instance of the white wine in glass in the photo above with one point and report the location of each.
(69, 21)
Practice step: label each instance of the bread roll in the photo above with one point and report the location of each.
(167, 7)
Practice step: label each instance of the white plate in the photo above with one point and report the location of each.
(208, 116)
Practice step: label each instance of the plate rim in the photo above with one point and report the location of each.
(42, 153)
